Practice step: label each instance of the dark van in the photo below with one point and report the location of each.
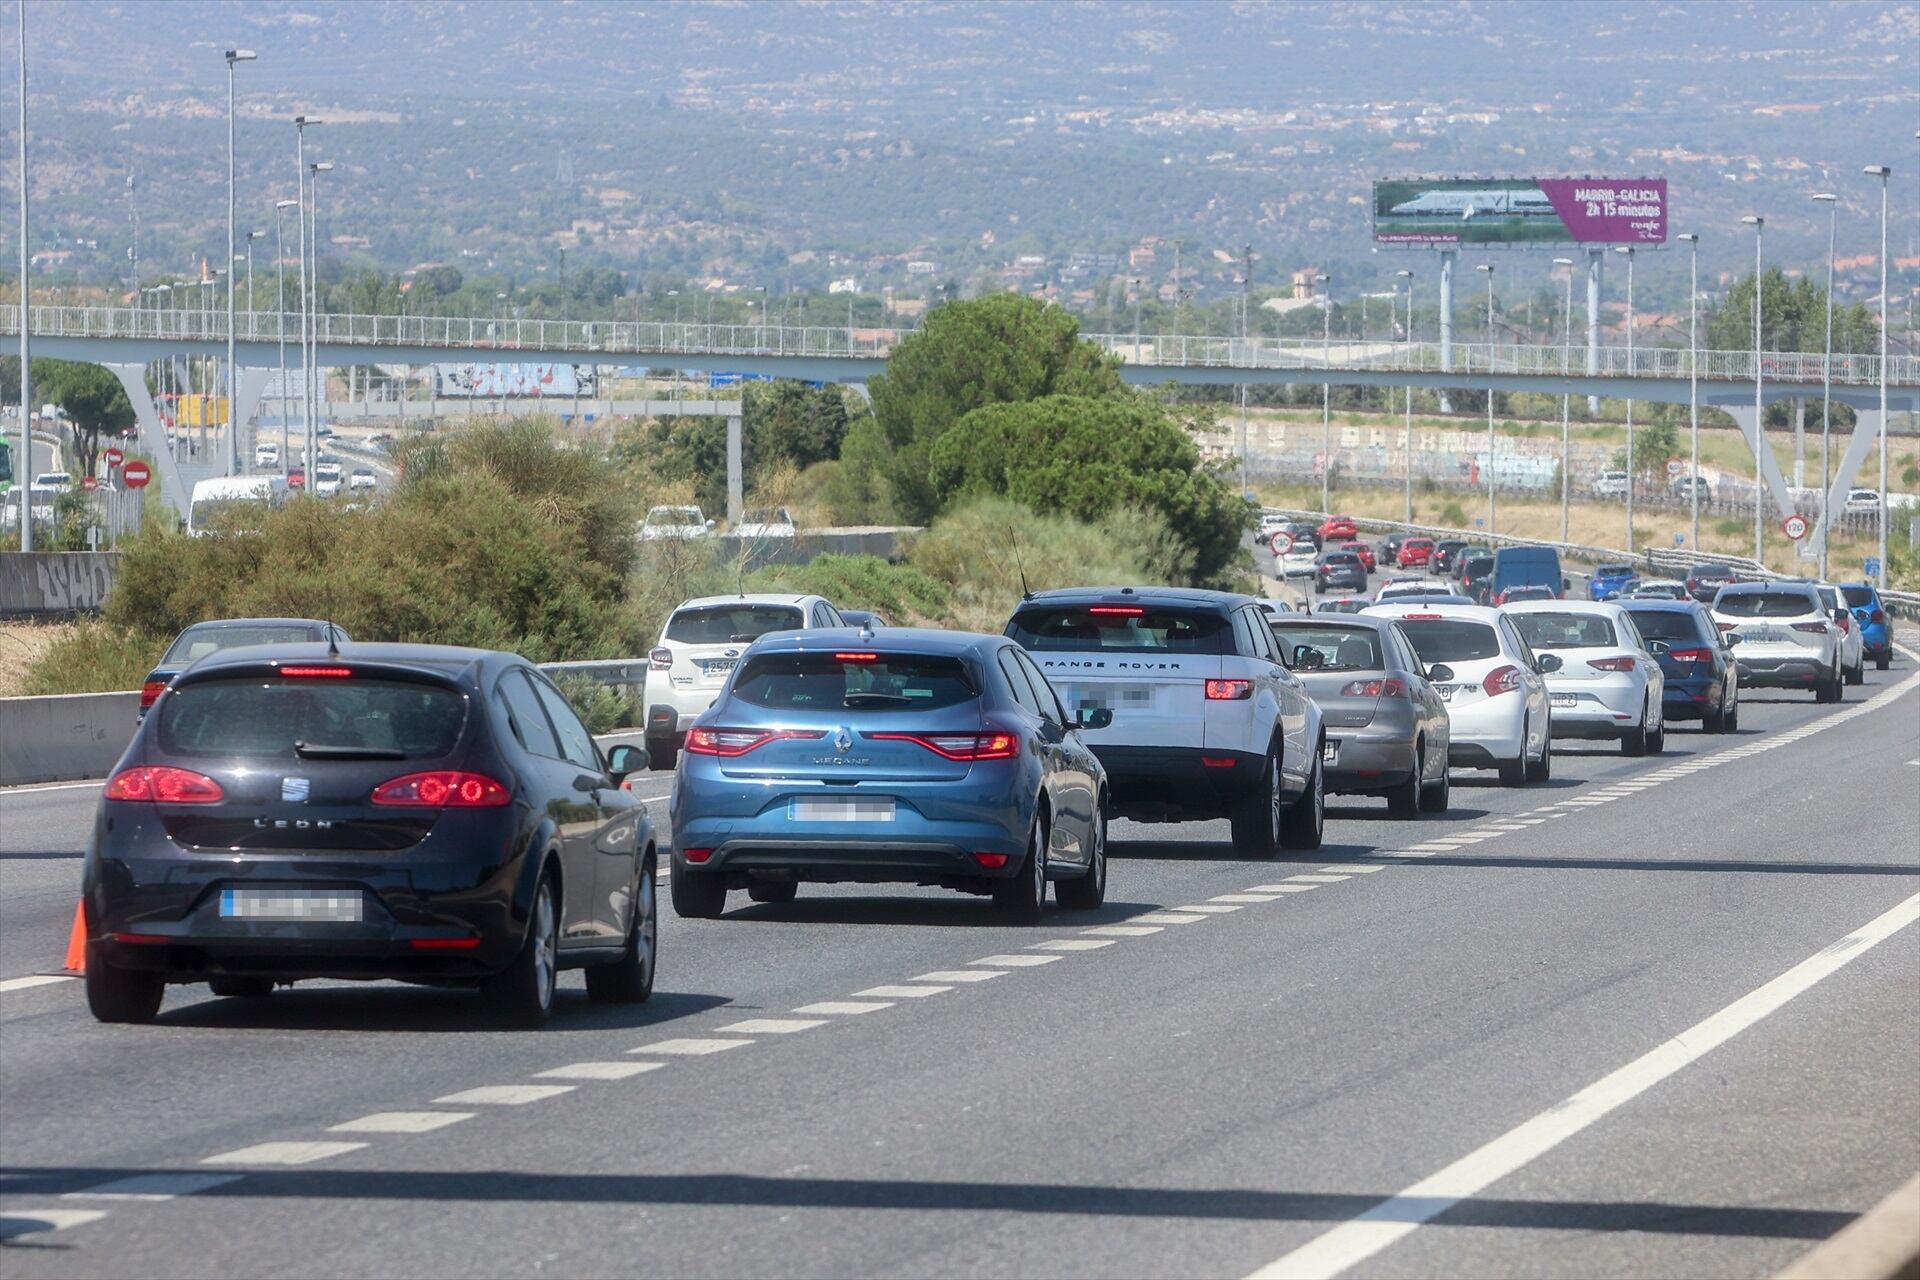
(1526, 567)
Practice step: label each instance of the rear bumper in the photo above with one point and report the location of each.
(1488, 732)
(1766, 672)
(1690, 698)
(1368, 759)
(1156, 784)
(1879, 647)
(1601, 708)
(926, 858)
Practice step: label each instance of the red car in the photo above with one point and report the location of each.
(1364, 550)
(1336, 528)
(1415, 553)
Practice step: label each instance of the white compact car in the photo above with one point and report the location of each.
(1494, 687)
(699, 648)
(266, 457)
(362, 478)
(1784, 637)
(1862, 502)
(1853, 644)
(1609, 685)
(1610, 484)
(1299, 560)
(766, 522)
(675, 522)
(1208, 721)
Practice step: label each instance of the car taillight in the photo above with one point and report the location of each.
(959, 746)
(1501, 680)
(1691, 655)
(1387, 688)
(1229, 690)
(737, 742)
(150, 693)
(1725, 626)
(163, 784)
(316, 673)
(696, 855)
(441, 789)
(991, 861)
(1877, 618)
(1844, 623)
(1811, 628)
(660, 659)
(1116, 611)
(1610, 664)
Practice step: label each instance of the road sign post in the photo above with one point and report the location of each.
(1796, 526)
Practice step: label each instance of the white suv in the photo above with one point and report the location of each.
(1208, 722)
(1783, 637)
(699, 648)
(674, 522)
(1608, 685)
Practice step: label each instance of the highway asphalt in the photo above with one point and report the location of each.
(1391, 1027)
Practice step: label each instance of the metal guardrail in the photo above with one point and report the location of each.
(616, 338)
(608, 671)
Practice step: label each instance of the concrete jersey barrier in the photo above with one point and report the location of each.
(55, 584)
(68, 736)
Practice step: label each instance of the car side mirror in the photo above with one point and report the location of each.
(1547, 663)
(1566, 583)
(625, 759)
(1440, 672)
(1842, 615)
(1729, 640)
(1093, 717)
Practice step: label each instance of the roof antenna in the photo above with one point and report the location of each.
(1026, 592)
(333, 645)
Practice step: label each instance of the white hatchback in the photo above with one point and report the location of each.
(1609, 685)
(1494, 687)
(1299, 560)
(1853, 645)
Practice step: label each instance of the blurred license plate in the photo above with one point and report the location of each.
(843, 811)
(720, 666)
(1563, 699)
(1330, 751)
(290, 904)
(1446, 692)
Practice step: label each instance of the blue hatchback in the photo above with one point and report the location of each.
(1609, 580)
(1870, 615)
(1703, 682)
(891, 755)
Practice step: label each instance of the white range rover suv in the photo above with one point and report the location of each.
(1208, 722)
(699, 648)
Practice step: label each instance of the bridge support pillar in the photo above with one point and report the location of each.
(1448, 257)
(1596, 262)
(1748, 421)
(1867, 426)
(153, 435)
(736, 481)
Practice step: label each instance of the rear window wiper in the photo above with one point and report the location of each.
(869, 699)
(332, 751)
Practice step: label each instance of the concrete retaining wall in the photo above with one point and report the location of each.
(78, 735)
(51, 584)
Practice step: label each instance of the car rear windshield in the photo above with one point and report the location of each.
(731, 623)
(1829, 597)
(1339, 648)
(837, 682)
(1417, 542)
(1613, 571)
(272, 717)
(1713, 571)
(1343, 559)
(1121, 629)
(1857, 597)
(1450, 639)
(1664, 624)
(1565, 630)
(1764, 604)
(1477, 565)
(197, 642)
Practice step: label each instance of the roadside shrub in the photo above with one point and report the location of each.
(901, 591)
(94, 657)
(601, 707)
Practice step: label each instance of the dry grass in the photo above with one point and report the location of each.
(21, 645)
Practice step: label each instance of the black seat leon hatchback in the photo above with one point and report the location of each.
(370, 811)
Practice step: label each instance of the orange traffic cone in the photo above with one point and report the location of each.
(77, 941)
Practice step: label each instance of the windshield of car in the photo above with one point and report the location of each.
(1764, 604)
(674, 516)
(1120, 629)
(1565, 630)
(1340, 648)
(277, 717)
(1450, 639)
(1613, 571)
(864, 682)
(1857, 597)
(731, 623)
(197, 642)
(1664, 624)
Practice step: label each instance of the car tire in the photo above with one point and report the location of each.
(1657, 740)
(698, 895)
(1435, 796)
(1633, 741)
(662, 755)
(1304, 822)
(522, 993)
(1857, 674)
(773, 890)
(1541, 770)
(1256, 816)
(1732, 721)
(1085, 892)
(1022, 899)
(1403, 800)
(1829, 690)
(241, 988)
(629, 980)
(115, 994)
(1882, 662)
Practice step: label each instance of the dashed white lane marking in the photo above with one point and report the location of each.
(1292, 888)
(1169, 917)
(284, 1153)
(960, 975)
(899, 993)
(1529, 822)
(1243, 898)
(1124, 930)
(35, 980)
(1317, 879)
(842, 1007)
(598, 1070)
(773, 1026)
(504, 1095)
(1208, 908)
(689, 1047)
(1353, 868)
(1353, 1242)
(402, 1122)
(26, 1222)
(1072, 944)
(153, 1186)
(1012, 962)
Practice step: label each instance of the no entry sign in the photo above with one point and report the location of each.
(136, 474)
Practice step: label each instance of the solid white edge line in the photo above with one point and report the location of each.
(1359, 1239)
(36, 980)
(28, 789)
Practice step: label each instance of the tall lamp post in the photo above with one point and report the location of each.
(1826, 385)
(1759, 225)
(300, 126)
(316, 381)
(1627, 251)
(1693, 388)
(234, 56)
(26, 313)
(251, 310)
(1408, 277)
(1882, 172)
(1326, 393)
(1491, 500)
(1566, 400)
(280, 320)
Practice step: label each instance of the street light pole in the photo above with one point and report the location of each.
(1758, 223)
(1326, 393)
(233, 424)
(300, 125)
(1882, 172)
(1826, 387)
(26, 315)
(1693, 387)
(280, 321)
(1627, 250)
(1566, 401)
(1408, 468)
(251, 310)
(1491, 500)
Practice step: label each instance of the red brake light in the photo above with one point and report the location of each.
(856, 657)
(445, 944)
(660, 659)
(1877, 618)
(737, 742)
(1812, 628)
(1229, 690)
(1501, 680)
(316, 673)
(163, 784)
(1844, 622)
(1117, 611)
(1420, 617)
(991, 861)
(1217, 762)
(697, 855)
(1691, 655)
(150, 693)
(441, 789)
(959, 746)
(1388, 688)
(1724, 626)
(1610, 664)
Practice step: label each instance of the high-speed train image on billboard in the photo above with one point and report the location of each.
(1467, 204)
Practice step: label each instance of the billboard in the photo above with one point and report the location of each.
(1520, 211)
